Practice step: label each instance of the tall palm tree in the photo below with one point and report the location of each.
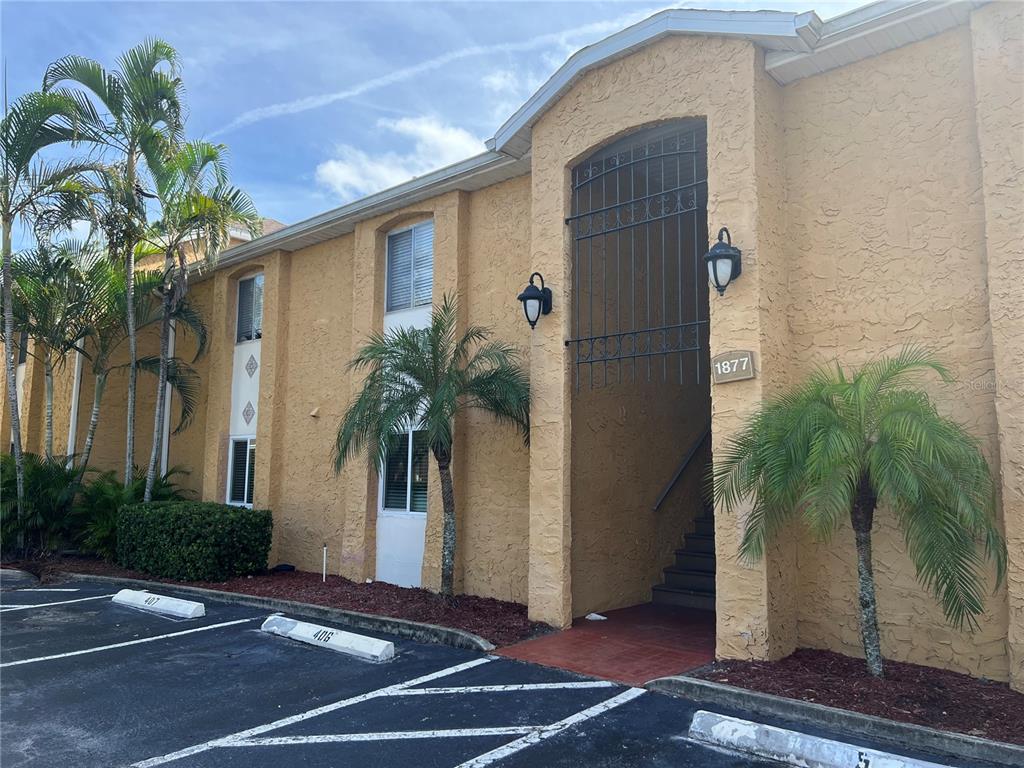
(839, 445)
(28, 184)
(54, 303)
(109, 330)
(424, 377)
(142, 104)
(198, 208)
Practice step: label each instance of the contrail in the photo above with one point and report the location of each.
(396, 76)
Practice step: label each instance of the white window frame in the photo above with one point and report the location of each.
(238, 295)
(250, 443)
(412, 277)
(408, 511)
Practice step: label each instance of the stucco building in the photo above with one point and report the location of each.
(871, 170)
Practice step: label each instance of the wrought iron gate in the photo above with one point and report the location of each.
(639, 227)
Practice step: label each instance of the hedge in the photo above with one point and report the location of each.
(193, 540)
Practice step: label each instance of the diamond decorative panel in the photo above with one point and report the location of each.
(251, 366)
(248, 412)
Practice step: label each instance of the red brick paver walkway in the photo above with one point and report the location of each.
(633, 646)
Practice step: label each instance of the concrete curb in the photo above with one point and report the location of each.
(411, 630)
(791, 747)
(903, 734)
(16, 575)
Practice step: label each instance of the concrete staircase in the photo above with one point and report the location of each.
(690, 581)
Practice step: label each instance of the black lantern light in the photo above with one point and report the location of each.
(723, 260)
(536, 301)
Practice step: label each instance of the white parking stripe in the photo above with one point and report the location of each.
(47, 605)
(227, 741)
(128, 642)
(337, 738)
(505, 688)
(551, 730)
(42, 589)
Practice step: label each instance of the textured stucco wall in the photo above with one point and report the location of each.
(997, 36)
(886, 246)
(627, 442)
(706, 77)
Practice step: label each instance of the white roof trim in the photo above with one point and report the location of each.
(797, 45)
(475, 173)
(773, 30)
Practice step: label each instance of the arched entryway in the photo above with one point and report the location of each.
(639, 363)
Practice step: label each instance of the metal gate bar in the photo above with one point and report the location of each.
(656, 216)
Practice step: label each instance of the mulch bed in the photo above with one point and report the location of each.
(909, 693)
(501, 622)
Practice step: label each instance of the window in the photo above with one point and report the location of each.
(250, 309)
(410, 267)
(240, 473)
(405, 476)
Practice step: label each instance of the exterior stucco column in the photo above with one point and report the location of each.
(451, 270)
(273, 393)
(218, 405)
(997, 37)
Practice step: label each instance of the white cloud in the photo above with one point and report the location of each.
(435, 144)
(566, 40)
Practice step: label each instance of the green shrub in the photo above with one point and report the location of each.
(46, 523)
(100, 502)
(192, 540)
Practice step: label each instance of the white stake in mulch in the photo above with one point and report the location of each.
(360, 646)
(172, 606)
(325, 563)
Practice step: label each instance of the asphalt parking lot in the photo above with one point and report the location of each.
(86, 682)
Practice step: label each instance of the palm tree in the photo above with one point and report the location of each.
(424, 377)
(27, 184)
(55, 302)
(108, 330)
(838, 446)
(198, 208)
(142, 102)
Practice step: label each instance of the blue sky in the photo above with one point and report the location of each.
(323, 102)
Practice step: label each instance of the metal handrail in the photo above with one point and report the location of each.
(682, 467)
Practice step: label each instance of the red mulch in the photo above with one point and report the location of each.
(909, 693)
(501, 622)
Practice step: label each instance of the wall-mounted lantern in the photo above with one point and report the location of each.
(723, 260)
(536, 301)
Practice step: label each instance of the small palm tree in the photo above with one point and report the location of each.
(142, 106)
(198, 207)
(837, 446)
(424, 377)
(28, 185)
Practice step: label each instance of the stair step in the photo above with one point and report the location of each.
(695, 561)
(685, 578)
(688, 598)
(696, 542)
(705, 526)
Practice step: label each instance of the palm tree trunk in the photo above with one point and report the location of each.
(862, 516)
(9, 369)
(48, 381)
(161, 394)
(448, 525)
(133, 356)
(94, 419)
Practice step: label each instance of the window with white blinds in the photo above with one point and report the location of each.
(405, 474)
(241, 471)
(250, 309)
(410, 267)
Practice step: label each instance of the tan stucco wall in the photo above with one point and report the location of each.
(997, 36)
(706, 77)
(627, 442)
(886, 247)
